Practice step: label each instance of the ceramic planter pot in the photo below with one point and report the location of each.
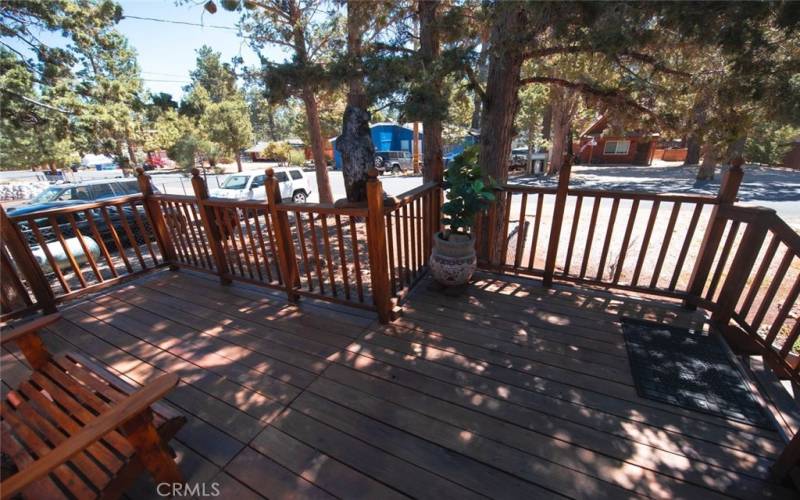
(453, 261)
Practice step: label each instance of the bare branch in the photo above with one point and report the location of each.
(473, 79)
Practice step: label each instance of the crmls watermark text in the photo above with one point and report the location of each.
(187, 489)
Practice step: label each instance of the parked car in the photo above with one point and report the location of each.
(76, 193)
(393, 161)
(292, 182)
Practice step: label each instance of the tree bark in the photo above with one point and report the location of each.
(317, 148)
(483, 68)
(706, 170)
(355, 141)
(529, 158)
(312, 111)
(563, 105)
(499, 109)
(432, 148)
(238, 163)
(692, 150)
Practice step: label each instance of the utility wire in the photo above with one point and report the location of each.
(186, 23)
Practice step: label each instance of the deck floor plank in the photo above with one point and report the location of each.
(509, 391)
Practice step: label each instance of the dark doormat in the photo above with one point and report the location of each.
(691, 369)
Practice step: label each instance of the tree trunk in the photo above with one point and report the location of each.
(317, 148)
(563, 105)
(271, 123)
(499, 110)
(432, 148)
(355, 141)
(692, 150)
(483, 68)
(529, 158)
(131, 152)
(706, 170)
(312, 112)
(238, 163)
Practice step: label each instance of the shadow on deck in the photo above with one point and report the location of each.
(509, 391)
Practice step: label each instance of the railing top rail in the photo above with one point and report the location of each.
(323, 208)
(224, 202)
(638, 195)
(77, 208)
(174, 197)
(521, 188)
(410, 195)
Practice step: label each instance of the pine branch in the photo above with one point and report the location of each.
(473, 79)
(612, 96)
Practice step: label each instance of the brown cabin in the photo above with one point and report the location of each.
(631, 148)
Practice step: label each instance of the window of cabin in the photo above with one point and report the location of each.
(616, 147)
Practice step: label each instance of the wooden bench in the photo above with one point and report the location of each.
(73, 429)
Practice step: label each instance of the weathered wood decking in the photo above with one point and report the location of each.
(511, 391)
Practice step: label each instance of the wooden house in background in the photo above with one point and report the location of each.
(631, 147)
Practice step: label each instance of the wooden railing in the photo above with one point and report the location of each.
(65, 252)
(411, 221)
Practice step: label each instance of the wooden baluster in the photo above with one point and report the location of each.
(46, 249)
(252, 242)
(612, 219)
(648, 233)
(587, 250)
(783, 314)
(126, 228)
(183, 244)
(406, 247)
(156, 218)
(742, 264)
(323, 219)
(261, 244)
(558, 220)
(708, 249)
(287, 262)
(401, 269)
(298, 222)
(342, 257)
(673, 218)
(772, 290)
(210, 226)
(86, 250)
(536, 226)
(356, 259)
(502, 255)
(576, 217)
(687, 242)
(390, 244)
(315, 249)
(758, 280)
(140, 225)
(76, 268)
(376, 246)
(100, 242)
(26, 263)
(196, 240)
(521, 232)
(723, 259)
(117, 240)
(626, 238)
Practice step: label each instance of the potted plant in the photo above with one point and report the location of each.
(453, 259)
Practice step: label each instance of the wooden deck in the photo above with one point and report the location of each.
(510, 391)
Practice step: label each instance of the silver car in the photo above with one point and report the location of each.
(393, 162)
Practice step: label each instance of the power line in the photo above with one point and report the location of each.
(186, 23)
(165, 81)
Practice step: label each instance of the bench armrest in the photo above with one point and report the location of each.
(122, 412)
(20, 331)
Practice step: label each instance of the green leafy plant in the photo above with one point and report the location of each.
(468, 194)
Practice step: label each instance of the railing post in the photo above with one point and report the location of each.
(287, 262)
(742, 264)
(21, 253)
(153, 212)
(558, 220)
(728, 190)
(376, 246)
(209, 224)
